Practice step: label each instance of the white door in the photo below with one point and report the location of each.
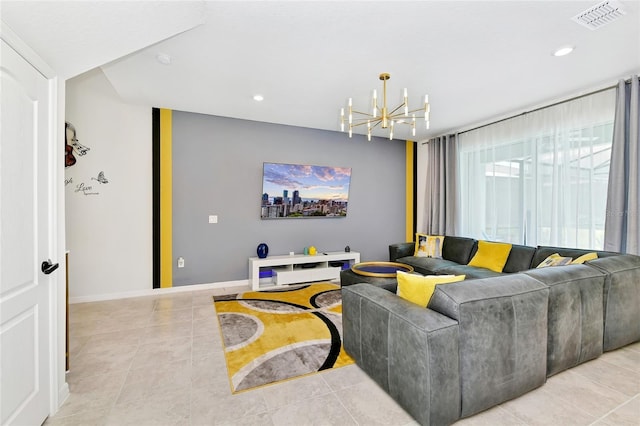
(25, 224)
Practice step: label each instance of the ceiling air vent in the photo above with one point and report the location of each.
(600, 14)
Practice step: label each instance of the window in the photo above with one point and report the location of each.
(539, 178)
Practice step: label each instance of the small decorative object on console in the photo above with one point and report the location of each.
(312, 251)
(263, 250)
(347, 249)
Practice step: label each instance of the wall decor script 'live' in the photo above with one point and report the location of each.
(85, 189)
(88, 189)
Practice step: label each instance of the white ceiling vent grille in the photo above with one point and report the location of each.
(600, 14)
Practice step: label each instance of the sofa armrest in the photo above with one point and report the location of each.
(574, 332)
(621, 299)
(410, 351)
(502, 325)
(398, 250)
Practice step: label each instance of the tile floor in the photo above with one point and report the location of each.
(159, 361)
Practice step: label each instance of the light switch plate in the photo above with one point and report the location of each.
(213, 218)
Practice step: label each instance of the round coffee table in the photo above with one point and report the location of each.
(380, 274)
(380, 269)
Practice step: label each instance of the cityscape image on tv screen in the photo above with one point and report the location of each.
(304, 191)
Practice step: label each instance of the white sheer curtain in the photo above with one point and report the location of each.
(539, 178)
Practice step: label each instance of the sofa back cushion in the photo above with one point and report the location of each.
(542, 252)
(458, 249)
(519, 258)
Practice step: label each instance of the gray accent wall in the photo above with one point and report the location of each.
(217, 170)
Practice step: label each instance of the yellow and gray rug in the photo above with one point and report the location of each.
(281, 334)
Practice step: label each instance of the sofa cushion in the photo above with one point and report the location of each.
(418, 288)
(471, 272)
(425, 265)
(491, 255)
(458, 249)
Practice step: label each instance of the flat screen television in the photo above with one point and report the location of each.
(304, 191)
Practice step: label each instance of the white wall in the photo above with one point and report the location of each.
(108, 225)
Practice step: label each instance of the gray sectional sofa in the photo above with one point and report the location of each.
(494, 336)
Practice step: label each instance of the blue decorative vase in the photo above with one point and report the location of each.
(263, 250)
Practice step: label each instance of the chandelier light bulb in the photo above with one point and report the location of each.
(406, 103)
(375, 103)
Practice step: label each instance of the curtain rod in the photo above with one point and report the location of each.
(540, 108)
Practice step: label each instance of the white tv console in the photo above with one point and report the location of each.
(288, 269)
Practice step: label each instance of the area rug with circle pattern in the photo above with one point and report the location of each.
(280, 334)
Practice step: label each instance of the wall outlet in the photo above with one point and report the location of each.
(181, 262)
(213, 218)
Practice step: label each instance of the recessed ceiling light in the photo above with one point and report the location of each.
(163, 58)
(562, 51)
(258, 98)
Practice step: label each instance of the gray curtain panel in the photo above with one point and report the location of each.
(622, 223)
(440, 207)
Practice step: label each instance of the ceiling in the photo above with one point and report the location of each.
(477, 60)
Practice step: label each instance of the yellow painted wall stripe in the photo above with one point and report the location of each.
(166, 201)
(409, 195)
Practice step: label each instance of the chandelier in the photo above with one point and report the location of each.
(382, 116)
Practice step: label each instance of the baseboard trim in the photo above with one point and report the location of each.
(158, 291)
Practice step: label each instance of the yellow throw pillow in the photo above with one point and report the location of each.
(585, 257)
(554, 260)
(419, 289)
(491, 255)
(428, 245)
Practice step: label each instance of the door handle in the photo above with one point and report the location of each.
(48, 267)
